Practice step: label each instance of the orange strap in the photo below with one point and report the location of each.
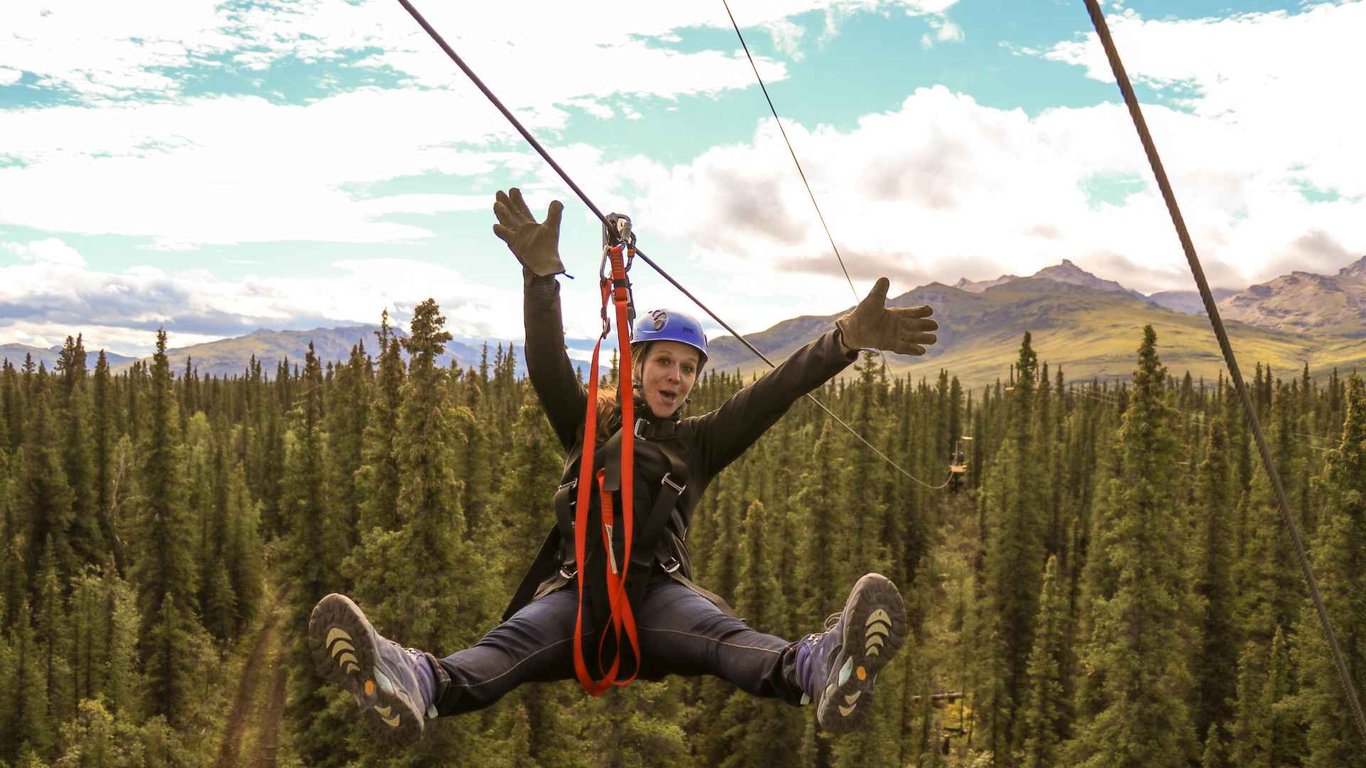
(614, 291)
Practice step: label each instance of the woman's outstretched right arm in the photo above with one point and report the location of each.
(547, 363)
(536, 246)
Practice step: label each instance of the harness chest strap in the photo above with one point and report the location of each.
(664, 509)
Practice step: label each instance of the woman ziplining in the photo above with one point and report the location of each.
(610, 597)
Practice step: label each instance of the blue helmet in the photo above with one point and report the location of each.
(669, 325)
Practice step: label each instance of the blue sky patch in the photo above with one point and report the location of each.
(1112, 189)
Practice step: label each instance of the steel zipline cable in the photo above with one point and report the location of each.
(790, 150)
(1131, 100)
(545, 155)
(801, 172)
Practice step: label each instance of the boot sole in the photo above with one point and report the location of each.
(874, 630)
(343, 644)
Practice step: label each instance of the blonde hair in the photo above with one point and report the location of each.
(609, 397)
(609, 405)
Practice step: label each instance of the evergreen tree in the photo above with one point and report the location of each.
(1269, 589)
(1013, 508)
(1282, 686)
(824, 565)
(104, 439)
(316, 542)
(1253, 732)
(1216, 753)
(49, 624)
(86, 536)
(347, 411)
(89, 647)
(316, 547)
(1137, 637)
(120, 682)
(172, 656)
(13, 572)
(1216, 659)
(44, 496)
(24, 714)
(756, 724)
(1047, 718)
(425, 583)
(217, 601)
(478, 460)
(379, 471)
(523, 498)
(1339, 556)
(96, 738)
(11, 407)
(243, 553)
(165, 571)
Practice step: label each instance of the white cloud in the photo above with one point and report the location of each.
(238, 169)
(52, 293)
(103, 50)
(930, 6)
(945, 187)
(1276, 81)
(52, 252)
(242, 169)
(939, 188)
(131, 342)
(947, 32)
(787, 37)
(233, 169)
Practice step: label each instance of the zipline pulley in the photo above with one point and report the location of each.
(617, 233)
(616, 230)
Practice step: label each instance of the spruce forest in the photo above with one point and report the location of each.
(1108, 584)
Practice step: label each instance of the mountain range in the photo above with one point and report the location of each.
(1092, 326)
(1089, 325)
(232, 356)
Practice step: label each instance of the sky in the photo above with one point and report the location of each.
(213, 168)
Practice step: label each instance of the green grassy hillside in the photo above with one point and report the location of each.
(1089, 333)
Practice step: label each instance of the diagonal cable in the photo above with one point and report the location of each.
(790, 150)
(536, 145)
(810, 193)
(1127, 89)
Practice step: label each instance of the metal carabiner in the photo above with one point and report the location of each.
(616, 230)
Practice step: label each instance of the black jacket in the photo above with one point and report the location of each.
(706, 443)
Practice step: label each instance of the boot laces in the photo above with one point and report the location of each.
(830, 622)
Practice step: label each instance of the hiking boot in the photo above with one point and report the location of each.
(837, 668)
(396, 687)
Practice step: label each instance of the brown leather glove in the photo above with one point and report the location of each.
(872, 325)
(535, 244)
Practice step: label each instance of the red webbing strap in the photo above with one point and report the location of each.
(590, 686)
(623, 617)
(623, 620)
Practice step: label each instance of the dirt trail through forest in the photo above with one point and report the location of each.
(268, 737)
(256, 710)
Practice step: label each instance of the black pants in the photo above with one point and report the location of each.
(680, 632)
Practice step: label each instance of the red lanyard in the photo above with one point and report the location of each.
(614, 291)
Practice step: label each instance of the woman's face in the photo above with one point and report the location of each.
(667, 376)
